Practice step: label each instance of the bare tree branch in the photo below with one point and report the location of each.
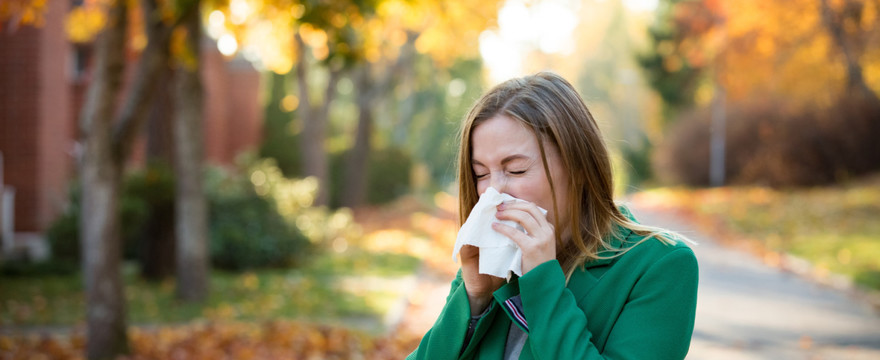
(154, 60)
(854, 70)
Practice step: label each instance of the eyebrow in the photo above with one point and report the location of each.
(505, 160)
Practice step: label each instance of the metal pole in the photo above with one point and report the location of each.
(719, 114)
(719, 120)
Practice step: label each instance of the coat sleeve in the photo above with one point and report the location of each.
(656, 321)
(445, 339)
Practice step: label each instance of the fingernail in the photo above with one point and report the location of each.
(500, 206)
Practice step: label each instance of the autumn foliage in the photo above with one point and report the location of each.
(800, 80)
(270, 340)
(22, 12)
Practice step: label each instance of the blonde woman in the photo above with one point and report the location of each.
(595, 283)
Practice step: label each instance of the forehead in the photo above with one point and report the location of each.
(501, 136)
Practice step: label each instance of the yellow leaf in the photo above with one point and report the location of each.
(84, 23)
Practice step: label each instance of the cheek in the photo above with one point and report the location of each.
(529, 189)
(482, 185)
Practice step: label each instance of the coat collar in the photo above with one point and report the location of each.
(616, 239)
(583, 279)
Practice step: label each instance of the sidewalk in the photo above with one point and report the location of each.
(747, 310)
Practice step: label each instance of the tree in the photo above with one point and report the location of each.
(107, 135)
(791, 77)
(190, 205)
(442, 30)
(100, 173)
(22, 12)
(810, 51)
(372, 80)
(837, 22)
(673, 76)
(369, 40)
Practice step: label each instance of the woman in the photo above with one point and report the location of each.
(596, 284)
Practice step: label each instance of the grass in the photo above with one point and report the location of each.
(316, 292)
(835, 228)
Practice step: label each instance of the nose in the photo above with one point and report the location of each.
(498, 181)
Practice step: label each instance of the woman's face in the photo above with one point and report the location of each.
(506, 156)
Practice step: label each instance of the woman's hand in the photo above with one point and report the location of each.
(539, 245)
(479, 286)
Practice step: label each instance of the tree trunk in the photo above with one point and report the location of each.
(106, 143)
(355, 181)
(190, 209)
(156, 244)
(369, 87)
(314, 123)
(100, 176)
(159, 134)
(855, 76)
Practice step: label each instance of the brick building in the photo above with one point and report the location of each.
(41, 90)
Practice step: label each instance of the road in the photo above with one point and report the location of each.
(748, 310)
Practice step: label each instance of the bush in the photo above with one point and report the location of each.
(63, 232)
(27, 268)
(770, 144)
(248, 228)
(388, 175)
(247, 232)
(637, 162)
(261, 218)
(388, 172)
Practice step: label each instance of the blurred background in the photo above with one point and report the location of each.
(261, 178)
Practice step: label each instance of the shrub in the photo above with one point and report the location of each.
(637, 162)
(388, 174)
(261, 218)
(247, 232)
(770, 144)
(63, 232)
(250, 226)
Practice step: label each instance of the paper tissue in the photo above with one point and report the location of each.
(499, 256)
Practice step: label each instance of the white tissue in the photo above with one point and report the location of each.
(499, 256)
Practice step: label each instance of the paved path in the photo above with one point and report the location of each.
(747, 310)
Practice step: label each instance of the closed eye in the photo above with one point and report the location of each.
(518, 172)
(480, 176)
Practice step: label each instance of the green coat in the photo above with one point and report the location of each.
(639, 305)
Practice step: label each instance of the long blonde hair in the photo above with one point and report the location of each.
(550, 106)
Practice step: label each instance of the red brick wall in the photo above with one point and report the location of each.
(233, 114)
(40, 104)
(215, 84)
(19, 120)
(35, 124)
(55, 133)
(244, 109)
(233, 111)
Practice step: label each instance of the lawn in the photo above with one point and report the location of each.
(836, 229)
(353, 281)
(319, 291)
(340, 304)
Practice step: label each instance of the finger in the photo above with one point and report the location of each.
(528, 207)
(523, 218)
(529, 216)
(469, 251)
(521, 239)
